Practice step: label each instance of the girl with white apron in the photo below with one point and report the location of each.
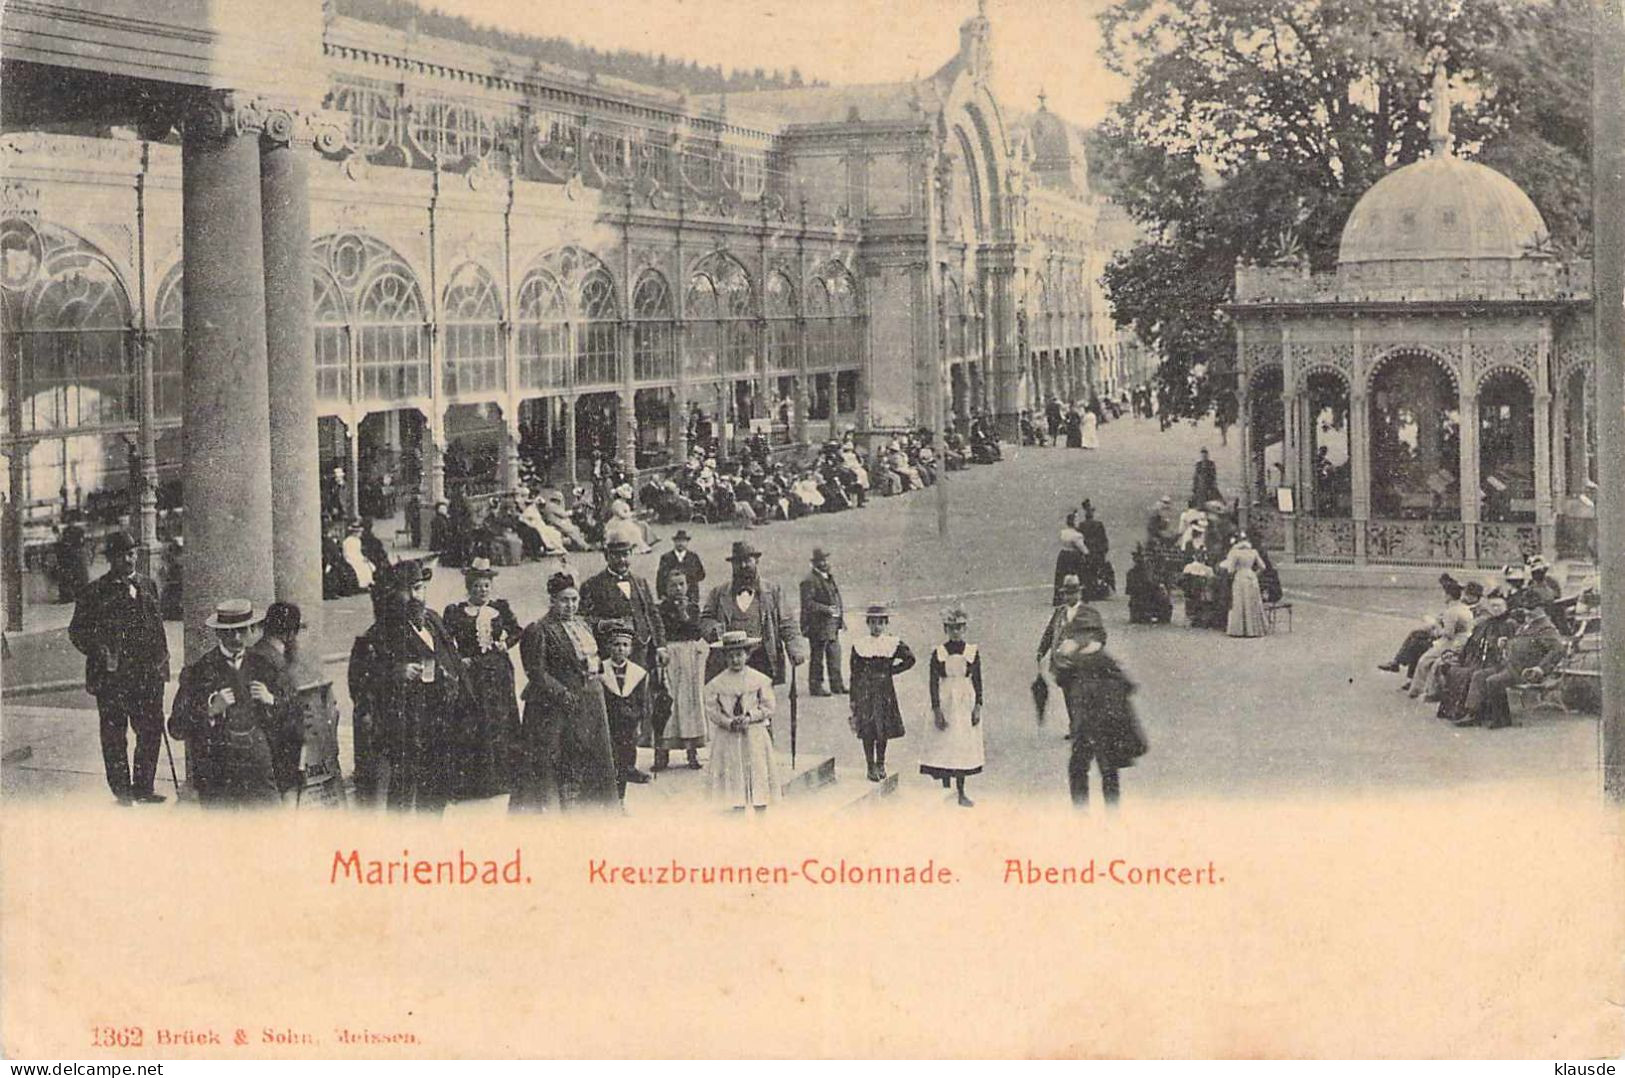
(952, 745)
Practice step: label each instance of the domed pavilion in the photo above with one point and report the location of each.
(1432, 400)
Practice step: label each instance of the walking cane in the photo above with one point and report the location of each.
(792, 718)
(171, 754)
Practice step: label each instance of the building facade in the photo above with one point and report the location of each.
(507, 259)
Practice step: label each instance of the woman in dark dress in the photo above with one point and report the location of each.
(484, 629)
(876, 660)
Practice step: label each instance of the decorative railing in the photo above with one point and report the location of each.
(1266, 527)
(1442, 280)
(1327, 539)
(1416, 542)
(1506, 544)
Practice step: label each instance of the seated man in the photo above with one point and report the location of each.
(1482, 650)
(1534, 650)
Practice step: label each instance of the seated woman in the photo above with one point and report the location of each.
(805, 494)
(623, 525)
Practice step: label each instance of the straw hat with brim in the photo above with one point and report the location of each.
(877, 610)
(736, 640)
(234, 614)
(479, 569)
(955, 615)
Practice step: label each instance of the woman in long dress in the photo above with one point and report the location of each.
(876, 660)
(570, 761)
(1091, 429)
(686, 652)
(739, 703)
(952, 747)
(484, 629)
(1246, 598)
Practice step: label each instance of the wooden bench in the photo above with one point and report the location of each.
(1273, 610)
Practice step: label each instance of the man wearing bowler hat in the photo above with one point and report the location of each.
(119, 628)
(751, 605)
(236, 711)
(680, 559)
(821, 620)
(617, 594)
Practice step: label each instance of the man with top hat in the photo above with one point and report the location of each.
(680, 559)
(119, 628)
(822, 615)
(626, 702)
(617, 594)
(750, 605)
(317, 751)
(419, 694)
(235, 710)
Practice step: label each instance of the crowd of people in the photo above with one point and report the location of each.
(1512, 631)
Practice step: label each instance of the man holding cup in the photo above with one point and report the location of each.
(236, 711)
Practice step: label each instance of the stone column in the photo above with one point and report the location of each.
(226, 467)
(1360, 467)
(1544, 514)
(1471, 481)
(296, 497)
(1005, 363)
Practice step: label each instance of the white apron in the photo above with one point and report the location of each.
(958, 749)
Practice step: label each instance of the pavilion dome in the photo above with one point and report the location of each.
(1441, 208)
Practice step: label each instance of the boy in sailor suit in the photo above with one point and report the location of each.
(626, 698)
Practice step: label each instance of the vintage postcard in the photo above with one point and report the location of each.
(955, 528)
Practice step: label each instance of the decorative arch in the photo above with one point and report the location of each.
(471, 325)
(654, 333)
(1389, 354)
(68, 323)
(1414, 435)
(721, 302)
(168, 358)
(1301, 383)
(584, 277)
(1267, 369)
(1524, 376)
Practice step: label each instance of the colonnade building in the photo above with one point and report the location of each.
(253, 264)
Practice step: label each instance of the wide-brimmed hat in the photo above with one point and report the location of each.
(120, 543)
(283, 618)
(877, 610)
(617, 546)
(743, 550)
(955, 615)
(682, 533)
(736, 640)
(234, 614)
(479, 569)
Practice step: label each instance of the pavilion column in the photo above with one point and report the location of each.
(1545, 516)
(1471, 481)
(434, 468)
(226, 458)
(1292, 460)
(569, 402)
(626, 439)
(296, 500)
(1360, 469)
(146, 511)
(508, 451)
(1004, 393)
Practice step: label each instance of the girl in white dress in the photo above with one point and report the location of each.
(740, 703)
(952, 748)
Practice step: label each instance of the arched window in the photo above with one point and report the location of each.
(596, 337)
(720, 294)
(473, 331)
(168, 394)
(75, 370)
(653, 330)
(361, 282)
(1415, 441)
(543, 338)
(1330, 475)
(781, 324)
(1506, 449)
(331, 328)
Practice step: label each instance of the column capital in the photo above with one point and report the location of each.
(324, 130)
(223, 114)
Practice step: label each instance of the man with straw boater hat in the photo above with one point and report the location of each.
(236, 711)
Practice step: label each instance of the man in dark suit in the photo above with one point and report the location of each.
(1099, 718)
(237, 712)
(1205, 480)
(750, 604)
(821, 620)
(683, 560)
(119, 627)
(617, 595)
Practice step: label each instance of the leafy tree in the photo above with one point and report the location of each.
(1253, 126)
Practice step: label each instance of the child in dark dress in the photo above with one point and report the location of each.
(876, 660)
